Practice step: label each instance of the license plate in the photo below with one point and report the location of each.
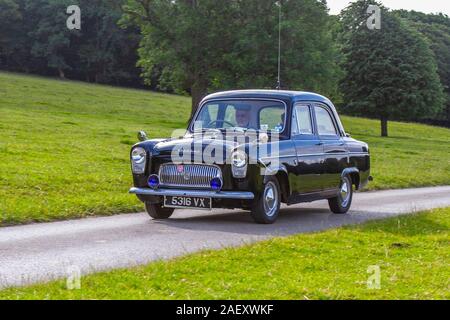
(188, 203)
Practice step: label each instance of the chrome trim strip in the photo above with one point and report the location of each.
(359, 153)
(190, 208)
(336, 154)
(238, 195)
(280, 157)
(320, 154)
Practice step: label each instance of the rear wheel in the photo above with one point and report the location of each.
(342, 203)
(267, 206)
(157, 212)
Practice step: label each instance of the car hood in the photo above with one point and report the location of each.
(195, 144)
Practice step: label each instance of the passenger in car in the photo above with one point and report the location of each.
(279, 127)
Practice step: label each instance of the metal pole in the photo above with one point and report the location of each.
(279, 46)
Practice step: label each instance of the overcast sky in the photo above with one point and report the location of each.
(427, 6)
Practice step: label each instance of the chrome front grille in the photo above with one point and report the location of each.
(189, 175)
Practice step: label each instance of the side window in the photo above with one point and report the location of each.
(272, 118)
(325, 125)
(304, 123)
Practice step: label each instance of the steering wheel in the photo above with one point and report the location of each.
(220, 121)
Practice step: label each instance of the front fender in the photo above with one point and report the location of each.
(268, 170)
(148, 145)
(140, 180)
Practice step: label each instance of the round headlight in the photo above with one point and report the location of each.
(138, 155)
(239, 159)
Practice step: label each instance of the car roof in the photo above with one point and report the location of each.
(284, 95)
(273, 94)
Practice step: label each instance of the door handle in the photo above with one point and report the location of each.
(319, 143)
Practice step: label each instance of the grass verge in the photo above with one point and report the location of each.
(411, 252)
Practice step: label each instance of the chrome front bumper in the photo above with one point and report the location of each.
(237, 195)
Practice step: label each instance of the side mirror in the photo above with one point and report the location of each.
(348, 135)
(142, 136)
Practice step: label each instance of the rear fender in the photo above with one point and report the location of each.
(354, 174)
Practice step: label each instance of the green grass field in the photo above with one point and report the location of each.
(411, 252)
(64, 147)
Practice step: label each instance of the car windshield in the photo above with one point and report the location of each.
(242, 114)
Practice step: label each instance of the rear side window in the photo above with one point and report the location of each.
(304, 120)
(302, 123)
(325, 124)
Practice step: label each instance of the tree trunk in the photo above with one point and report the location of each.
(384, 126)
(198, 91)
(62, 76)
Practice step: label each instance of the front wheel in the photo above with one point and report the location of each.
(157, 212)
(267, 206)
(342, 203)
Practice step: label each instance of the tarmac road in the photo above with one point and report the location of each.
(42, 252)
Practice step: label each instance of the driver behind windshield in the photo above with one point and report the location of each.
(243, 116)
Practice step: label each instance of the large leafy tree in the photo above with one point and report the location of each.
(436, 28)
(307, 52)
(106, 52)
(196, 46)
(11, 20)
(35, 39)
(390, 73)
(185, 40)
(51, 38)
(10, 17)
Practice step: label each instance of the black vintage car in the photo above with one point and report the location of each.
(254, 150)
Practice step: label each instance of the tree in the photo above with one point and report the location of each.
(186, 39)
(11, 19)
(35, 39)
(51, 37)
(107, 53)
(390, 73)
(208, 45)
(307, 51)
(436, 28)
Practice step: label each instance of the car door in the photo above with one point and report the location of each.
(334, 147)
(309, 150)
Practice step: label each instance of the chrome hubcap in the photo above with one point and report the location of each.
(345, 191)
(270, 199)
